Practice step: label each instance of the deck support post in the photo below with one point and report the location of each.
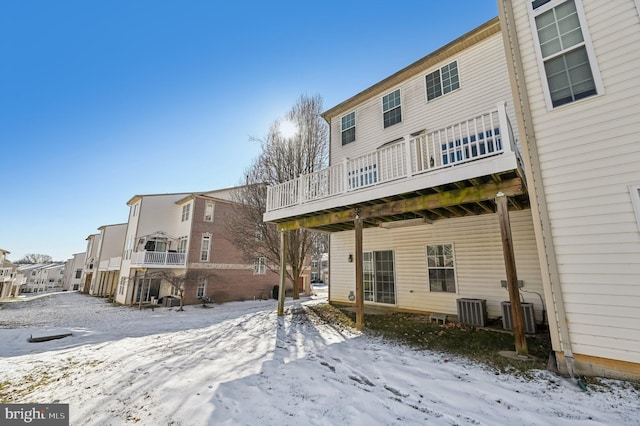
(357, 222)
(283, 272)
(512, 277)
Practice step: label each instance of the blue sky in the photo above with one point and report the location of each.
(100, 101)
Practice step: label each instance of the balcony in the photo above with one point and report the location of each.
(112, 264)
(480, 146)
(158, 259)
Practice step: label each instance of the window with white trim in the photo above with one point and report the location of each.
(634, 190)
(442, 81)
(128, 247)
(208, 211)
(201, 291)
(260, 266)
(136, 206)
(182, 244)
(186, 209)
(205, 247)
(348, 128)
(391, 109)
(123, 280)
(441, 268)
(567, 59)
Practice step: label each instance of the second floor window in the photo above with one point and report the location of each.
(78, 273)
(182, 245)
(442, 81)
(348, 128)
(186, 209)
(391, 109)
(260, 266)
(206, 248)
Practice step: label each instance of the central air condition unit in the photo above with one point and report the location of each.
(528, 314)
(472, 311)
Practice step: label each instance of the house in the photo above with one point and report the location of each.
(90, 262)
(40, 277)
(574, 68)
(7, 276)
(186, 235)
(109, 258)
(72, 280)
(409, 198)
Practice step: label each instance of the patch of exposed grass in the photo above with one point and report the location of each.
(416, 331)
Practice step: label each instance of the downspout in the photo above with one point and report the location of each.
(544, 241)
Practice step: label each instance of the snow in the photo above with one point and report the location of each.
(239, 364)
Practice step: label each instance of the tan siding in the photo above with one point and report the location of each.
(478, 255)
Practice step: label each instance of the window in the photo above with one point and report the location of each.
(378, 272)
(206, 247)
(391, 109)
(348, 128)
(128, 247)
(635, 201)
(260, 266)
(442, 81)
(123, 280)
(182, 245)
(78, 273)
(260, 231)
(568, 64)
(441, 268)
(202, 287)
(186, 209)
(135, 209)
(208, 211)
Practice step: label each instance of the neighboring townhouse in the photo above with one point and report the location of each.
(186, 234)
(109, 259)
(416, 163)
(52, 276)
(40, 277)
(7, 276)
(73, 273)
(90, 262)
(575, 68)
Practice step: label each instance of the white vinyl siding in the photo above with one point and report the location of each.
(589, 155)
(484, 87)
(479, 262)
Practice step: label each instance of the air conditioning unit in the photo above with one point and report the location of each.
(528, 314)
(472, 311)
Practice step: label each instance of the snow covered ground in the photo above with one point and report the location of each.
(239, 364)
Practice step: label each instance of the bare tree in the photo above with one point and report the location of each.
(34, 258)
(283, 158)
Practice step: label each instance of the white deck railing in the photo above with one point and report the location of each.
(483, 136)
(151, 259)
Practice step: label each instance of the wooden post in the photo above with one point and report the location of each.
(512, 277)
(283, 272)
(359, 276)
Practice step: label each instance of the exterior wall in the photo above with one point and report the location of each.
(230, 277)
(483, 78)
(154, 213)
(478, 255)
(589, 155)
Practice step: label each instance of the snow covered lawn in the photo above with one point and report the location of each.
(239, 364)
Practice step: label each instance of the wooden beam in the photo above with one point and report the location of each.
(283, 272)
(357, 223)
(512, 276)
(445, 199)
